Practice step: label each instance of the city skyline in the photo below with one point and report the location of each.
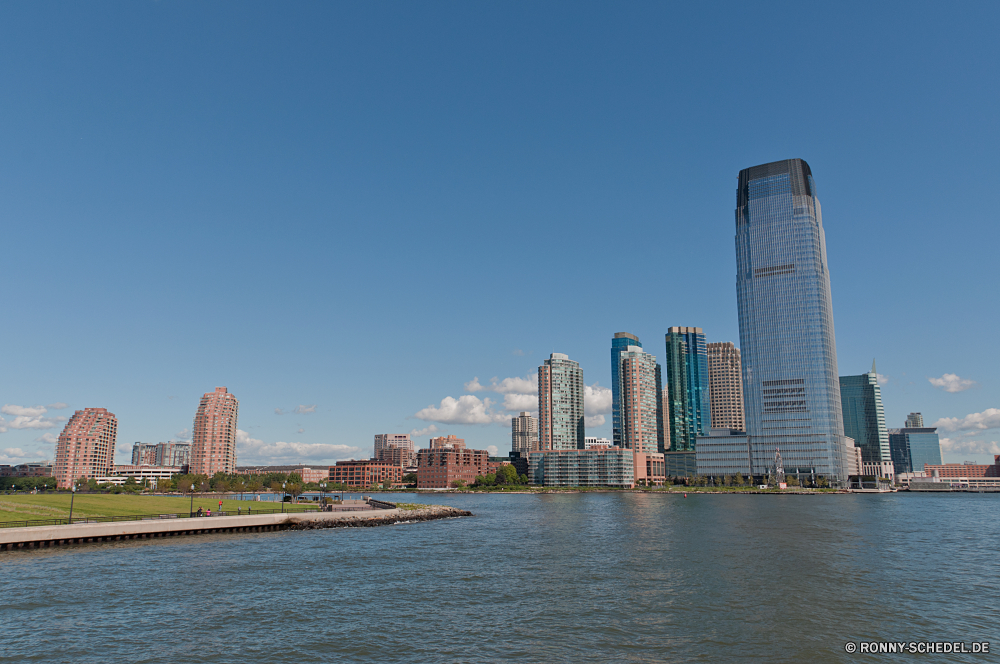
(345, 174)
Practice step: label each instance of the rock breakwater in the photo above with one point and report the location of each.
(368, 520)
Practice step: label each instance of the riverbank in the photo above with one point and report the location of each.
(37, 537)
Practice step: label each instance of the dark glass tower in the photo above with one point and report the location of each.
(689, 408)
(864, 417)
(790, 383)
(620, 342)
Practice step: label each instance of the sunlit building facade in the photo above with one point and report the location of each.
(864, 417)
(791, 386)
(86, 446)
(213, 443)
(619, 343)
(725, 383)
(560, 404)
(689, 409)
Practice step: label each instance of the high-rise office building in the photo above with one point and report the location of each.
(725, 386)
(524, 433)
(86, 446)
(689, 409)
(912, 447)
(914, 421)
(213, 443)
(791, 388)
(641, 401)
(864, 418)
(560, 404)
(144, 454)
(173, 454)
(619, 343)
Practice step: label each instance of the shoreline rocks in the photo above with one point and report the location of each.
(428, 513)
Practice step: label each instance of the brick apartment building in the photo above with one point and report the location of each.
(957, 470)
(365, 472)
(438, 468)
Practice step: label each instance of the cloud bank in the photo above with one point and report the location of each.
(253, 451)
(988, 419)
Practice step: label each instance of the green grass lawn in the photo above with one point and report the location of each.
(56, 505)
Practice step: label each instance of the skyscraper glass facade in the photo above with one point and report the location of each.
(689, 407)
(790, 382)
(641, 397)
(912, 447)
(864, 418)
(619, 343)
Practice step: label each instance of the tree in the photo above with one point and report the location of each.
(387, 484)
(459, 484)
(221, 486)
(739, 481)
(295, 489)
(523, 480)
(410, 478)
(506, 474)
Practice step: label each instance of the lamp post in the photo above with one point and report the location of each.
(192, 500)
(72, 495)
(283, 497)
(322, 488)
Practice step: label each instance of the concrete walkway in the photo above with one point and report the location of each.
(82, 533)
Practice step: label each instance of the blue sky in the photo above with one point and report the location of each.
(353, 210)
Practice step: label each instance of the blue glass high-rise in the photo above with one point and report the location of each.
(790, 383)
(689, 407)
(620, 342)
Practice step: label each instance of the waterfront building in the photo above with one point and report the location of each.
(864, 417)
(447, 443)
(914, 421)
(913, 447)
(524, 433)
(649, 468)
(364, 473)
(213, 444)
(641, 421)
(613, 467)
(725, 386)
(968, 469)
(619, 343)
(384, 442)
(440, 468)
(396, 456)
(173, 454)
(689, 406)
(560, 404)
(791, 387)
(307, 473)
(140, 472)
(86, 446)
(879, 469)
(680, 464)
(594, 443)
(30, 469)
(144, 454)
(725, 452)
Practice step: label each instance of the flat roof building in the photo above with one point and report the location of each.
(613, 467)
(440, 468)
(213, 442)
(86, 446)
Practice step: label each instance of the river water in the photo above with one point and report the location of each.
(535, 578)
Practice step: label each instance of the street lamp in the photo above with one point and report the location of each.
(192, 500)
(283, 497)
(72, 495)
(322, 487)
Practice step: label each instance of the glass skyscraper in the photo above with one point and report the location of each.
(912, 447)
(689, 407)
(864, 417)
(790, 382)
(620, 342)
(560, 404)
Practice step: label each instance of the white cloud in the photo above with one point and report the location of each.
(881, 378)
(952, 383)
(183, 435)
(256, 451)
(517, 352)
(3, 425)
(593, 420)
(13, 452)
(47, 438)
(278, 411)
(492, 449)
(519, 402)
(506, 386)
(59, 405)
(424, 432)
(988, 419)
(24, 411)
(950, 446)
(25, 422)
(302, 410)
(466, 409)
(596, 399)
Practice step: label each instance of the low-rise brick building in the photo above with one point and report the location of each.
(365, 472)
(967, 469)
(438, 468)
